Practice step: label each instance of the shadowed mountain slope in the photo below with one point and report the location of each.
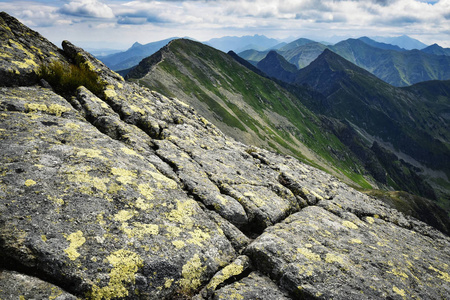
(401, 118)
(274, 65)
(436, 50)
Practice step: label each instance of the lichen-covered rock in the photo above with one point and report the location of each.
(14, 285)
(91, 212)
(128, 194)
(255, 286)
(315, 253)
(22, 50)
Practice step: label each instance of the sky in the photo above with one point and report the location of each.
(117, 24)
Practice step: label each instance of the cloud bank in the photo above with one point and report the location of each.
(426, 20)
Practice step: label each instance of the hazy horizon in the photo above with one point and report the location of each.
(117, 24)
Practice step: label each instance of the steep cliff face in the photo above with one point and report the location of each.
(130, 194)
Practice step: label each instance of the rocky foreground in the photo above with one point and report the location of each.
(130, 194)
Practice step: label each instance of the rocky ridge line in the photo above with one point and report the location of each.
(133, 195)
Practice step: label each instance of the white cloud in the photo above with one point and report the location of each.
(214, 18)
(87, 8)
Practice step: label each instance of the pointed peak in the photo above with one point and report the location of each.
(136, 44)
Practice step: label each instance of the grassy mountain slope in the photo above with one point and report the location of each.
(376, 44)
(399, 68)
(250, 108)
(303, 55)
(295, 44)
(436, 50)
(253, 56)
(401, 120)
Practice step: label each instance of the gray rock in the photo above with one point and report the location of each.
(315, 253)
(14, 285)
(255, 286)
(23, 51)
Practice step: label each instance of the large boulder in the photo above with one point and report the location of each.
(22, 51)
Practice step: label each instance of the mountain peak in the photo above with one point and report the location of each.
(136, 45)
(327, 71)
(275, 65)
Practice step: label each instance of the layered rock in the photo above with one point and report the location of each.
(134, 195)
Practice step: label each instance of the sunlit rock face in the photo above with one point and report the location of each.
(128, 194)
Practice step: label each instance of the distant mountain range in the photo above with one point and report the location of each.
(122, 60)
(403, 41)
(394, 65)
(132, 56)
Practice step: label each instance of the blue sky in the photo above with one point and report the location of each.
(120, 23)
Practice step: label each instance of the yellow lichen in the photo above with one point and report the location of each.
(43, 237)
(137, 109)
(182, 213)
(168, 283)
(198, 237)
(140, 230)
(173, 231)
(124, 215)
(142, 204)
(125, 265)
(54, 109)
(56, 292)
(192, 272)
(146, 191)
(401, 292)
(442, 275)
(110, 93)
(331, 258)
(129, 151)
(91, 153)
(178, 244)
(398, 272)
(370, 220)
(81, 175)
(355, 241)
(76, 240)
(27, 63)
(350, 225)
(114, 188)
(163, 181)
(124, 176)
(57, 110)
(227, 272)
(309, 254)
(30, 182)
(72, 126)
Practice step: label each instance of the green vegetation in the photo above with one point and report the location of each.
(66, 78)
(242, 99)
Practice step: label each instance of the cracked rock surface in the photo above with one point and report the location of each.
(133, 195)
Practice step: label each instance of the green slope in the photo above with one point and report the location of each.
(399, 68)
(403, 120)
(250, 108)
